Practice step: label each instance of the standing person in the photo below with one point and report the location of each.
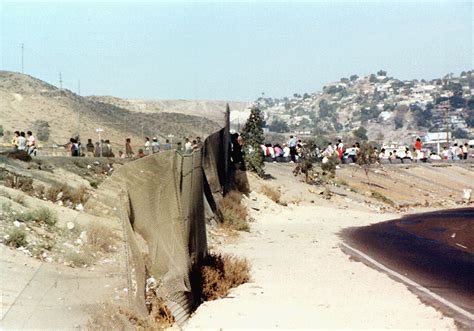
(155, 145)
(74, 148)
(199, 143)
(418, 147)
(22, 143)
(90, 148)
(147, 145)
(31, 142)
(16, 135)
(167, 146)
(292, 144)
(128, 148)
(110, 153)
(97, 149)
(188, 146)
(464, 151)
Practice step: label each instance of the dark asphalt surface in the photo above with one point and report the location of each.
(436, 250)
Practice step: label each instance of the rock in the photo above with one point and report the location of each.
(254, 206)
(59, 196)
(70, 225)
(79, 207)
(17, 224)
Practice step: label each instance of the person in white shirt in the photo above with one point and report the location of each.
(286, 151)
(188, 146)
(464, 151)
(22, 142)
(155, 145)
(147, 145)
(31, 142)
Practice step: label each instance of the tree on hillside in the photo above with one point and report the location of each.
(41, 128)
(372, 78)
(353, 78)
(381, 73)
(459, 133)
(279, 125)
(360, 133)
(252, 133)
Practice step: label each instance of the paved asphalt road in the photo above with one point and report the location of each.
(436, 250)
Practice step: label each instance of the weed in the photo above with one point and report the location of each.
(233, 213)
(379, 196)
(19, 182)
(94, 183)
(100, 236)
(42, 215)
(341, 182)
(20, 199)
(220, 273)
(78, 259)
(16, 237)
(62, 192)
(241, 182)
(271, 193)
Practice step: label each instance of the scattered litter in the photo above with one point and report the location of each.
(466, 194)
(79, 207)
(16, 223)
(151, 283)
(83, 236)
(462, 246)
(453, 235)
(70, 225)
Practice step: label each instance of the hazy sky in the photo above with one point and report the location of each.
(231, 51)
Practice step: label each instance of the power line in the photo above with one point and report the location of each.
(22, 63)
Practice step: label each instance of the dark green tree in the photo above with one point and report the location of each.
(279, 125)
(360, 133)
(253, 136)
(41, 129)
(459, 133)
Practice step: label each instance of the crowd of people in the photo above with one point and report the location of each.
(24, 142)
(150, 146)
(291, 152)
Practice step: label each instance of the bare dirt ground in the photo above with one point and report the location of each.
(300, 276)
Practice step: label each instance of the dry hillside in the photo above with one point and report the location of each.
(25, 99)
(214, 110)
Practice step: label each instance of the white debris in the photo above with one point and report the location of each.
(17, 224)
(59, 196)
(467, 194)
(79, 207)
(70, 225)
(151, 283)
(83, 236)
(78, 242)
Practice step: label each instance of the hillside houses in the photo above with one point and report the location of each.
(383, 104)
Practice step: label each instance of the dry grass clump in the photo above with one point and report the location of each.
(19, 182)
(241, 182)
(100, 236)
(220, 273)
(16, 237)
(42, 215)
(271, 193)
(62, 192)
(78, 259)
(379, 196)
(233, 213)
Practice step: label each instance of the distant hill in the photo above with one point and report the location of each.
(213, 110)
(386, 108)
(25, 100)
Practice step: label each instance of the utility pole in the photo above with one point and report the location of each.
(60, 81)
(447, 125)
(22, 63)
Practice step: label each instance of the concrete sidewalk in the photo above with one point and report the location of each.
(40, 295)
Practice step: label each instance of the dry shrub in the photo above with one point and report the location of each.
(241, 182)
(233, 212)
(20, 199)
(16, 237)
(67, 194)
(100, 236)
(160, 315)
(42, 215)
(220, 273)
(80, 259)
(379, 196)
(271, 193)
(19, 182)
